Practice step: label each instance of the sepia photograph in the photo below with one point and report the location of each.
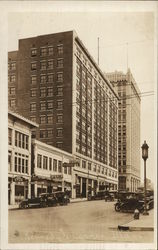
(79, 103)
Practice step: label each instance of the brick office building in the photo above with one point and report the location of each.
(128, 129)
(60, 86)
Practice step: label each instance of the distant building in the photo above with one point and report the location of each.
(128, 129)
(19, 157)
(59, 85)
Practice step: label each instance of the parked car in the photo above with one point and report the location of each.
(100, 195)
(62, 198)
(129, 205)
(129, 201)
(109, 196)
(52, 200)
(33, 202)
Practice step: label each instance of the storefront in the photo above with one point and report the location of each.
(18, 189)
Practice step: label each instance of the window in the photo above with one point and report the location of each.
(59, 166)
(12, 103)
(65, 170)
(43, 134)
(12, 91)
(60, 91)
(42, 119)
(33, 66)
(60, 49)
(33, 107)
(21, 140)
(50, 51)
(12, 78)
(50, 119)
(9, 136)
(54, 165)
(89, 166)
(39, 161)
(9, 160)
(42, 92)
(59, 105)
(43, 51)
(45, 162)
(59, 77)
(60, 63)
(50, 78)
(33, 118)
(33, 79)
(50, 164)
(42, 106)
(43, 79)
(12, 66)
(33, 52)
(49, 133)
(43, 65)
(69, 170)
(16, 164)
(83, 164)
(26, 166)
(50, 92)
(59, 132)
(19, 164)
(59, 145)
(23, 164)
(33, 92)
(50, 105)
(50, 64)
(59, 118)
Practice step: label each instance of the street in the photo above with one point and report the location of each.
(82, 222)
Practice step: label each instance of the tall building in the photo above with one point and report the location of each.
(59, 85)
(128, 129)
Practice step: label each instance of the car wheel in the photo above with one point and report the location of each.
(117, 208)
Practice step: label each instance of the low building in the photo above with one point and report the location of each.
(49, 171)
(19, 157)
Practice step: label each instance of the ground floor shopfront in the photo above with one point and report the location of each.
(44, 185)
(18, 189)
(84, 186)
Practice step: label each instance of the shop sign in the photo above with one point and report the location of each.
(56, 176)
(18, 179)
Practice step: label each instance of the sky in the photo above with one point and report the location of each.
(115, 29)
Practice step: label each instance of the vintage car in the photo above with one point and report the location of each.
(109, 196)
(52, 200)
(62, 198)
(33, 202)
(129, 201)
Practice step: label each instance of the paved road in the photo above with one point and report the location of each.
(84, 222)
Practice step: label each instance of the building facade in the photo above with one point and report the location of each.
(60, 86)
(19, 157)
(128, 129)
(48, 170)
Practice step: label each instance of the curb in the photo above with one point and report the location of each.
(71, 202)
(127, 228)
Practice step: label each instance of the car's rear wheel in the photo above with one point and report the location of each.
(117, 208)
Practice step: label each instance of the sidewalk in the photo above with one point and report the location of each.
(11, 207)
(144, 223)
(77, 200)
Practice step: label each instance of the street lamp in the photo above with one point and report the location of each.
(145, 157)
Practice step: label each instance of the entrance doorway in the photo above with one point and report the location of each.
(84, 187)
